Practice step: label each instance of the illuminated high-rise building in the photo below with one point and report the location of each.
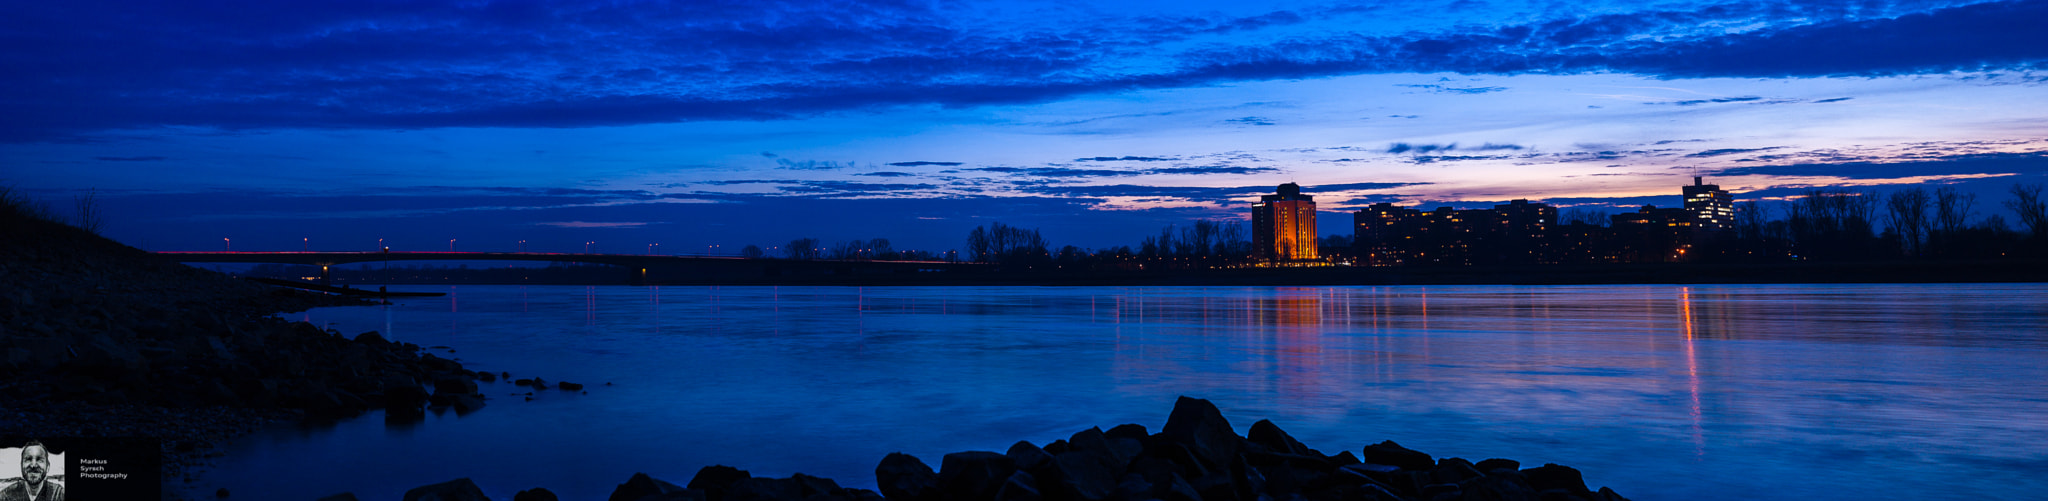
(1284, 226)
(1711, 208)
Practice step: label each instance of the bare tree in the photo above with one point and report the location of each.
(89, 215)
(1952, 209)
(751, 252)
(802, 248)
(1749, 220)
(1906, 216)
(2033, 212)
(1584, 215)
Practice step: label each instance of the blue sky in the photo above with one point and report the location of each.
(702, 123)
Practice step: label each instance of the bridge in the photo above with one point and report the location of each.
(646, 268)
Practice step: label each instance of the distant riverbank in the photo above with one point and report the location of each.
(1947, 271)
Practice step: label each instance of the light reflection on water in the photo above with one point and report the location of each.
(1663, 392)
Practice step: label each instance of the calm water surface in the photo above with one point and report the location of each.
(1662, 392)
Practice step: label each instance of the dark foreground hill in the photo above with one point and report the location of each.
(101, 339)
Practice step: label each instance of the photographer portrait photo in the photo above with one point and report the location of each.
(35, 473)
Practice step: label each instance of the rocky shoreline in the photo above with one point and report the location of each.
(1196, 457)
(98, 339)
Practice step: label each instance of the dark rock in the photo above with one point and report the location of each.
(569, 386)
(346, 496)
(1377, 492)
(762, 489)
(460, 489)
(1487, 466)
(1085, 474)
(372, 338)
(1435, 491)
(715, 479)
(467, 403)
(901, 477)
(1453, 470)
(1132, 486)
(642, 486)
(487, 377)
(1390, 453)
(1553, 476)
(540, 384)
(1056, 447)
(1028, 457)
(223, 492)
(1130, 431)
(535, 494)
(1021, 486)
(1267, 434)
(862, 495)
(1246, 480)
(1508, 487)
(1116, 453)
(1197, 424)
(813, 486)
(452, 385)
(1607, 494)
(523, 382)
(1175, 488)
(1376, 472)
(974, 474)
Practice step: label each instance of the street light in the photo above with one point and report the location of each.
(227, 245)
(306, 244)
(650, 248)
(451, 245)
(380, 245)
(522, 246)
(586, 247)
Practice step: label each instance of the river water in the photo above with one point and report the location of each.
(1662, 392)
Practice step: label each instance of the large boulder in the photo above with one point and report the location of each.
(974, 475)
(1270, 436)
(641, 486)
(1197, 424)
(901, 477)
(460, 489)
(763, 489)
(535, 494)
(1390, 453)
(1028, 457)
(715, 479)
(1085, 475)
(454, 385)
(1552, 476)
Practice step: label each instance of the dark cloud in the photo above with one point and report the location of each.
(1065, 172)
(131, 159)
(784, 163)
(1729, 151)
(923, 163)
(1493, 147)
(886, 174)
(1251, 121)
(1057, 171)
(1399, 148)
(1696, 102)
(1454, 90)
(1124, 159)
(1212, 169)
(1984, 163)
(1196, 193)
(1834, 100)
(82, 69)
